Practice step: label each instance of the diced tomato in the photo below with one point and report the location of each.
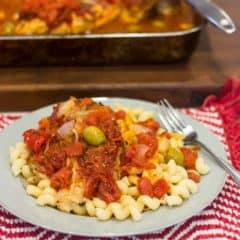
(125, 170)
(142, 163)
(136, 155)
(98, 171)
(85, 102)
(129, 155)
(165, 134)
(44, 124)
(105, 188)
(62, 178)
(74, 150)
(90, 187)
(190, 157)
(160, 187)
(47, 169)
(145, 187)
(39, 142)
(34, 139)
(151, 123)
(56, 156)
(120, 114)
(150, 140)
(98, 116)
(108, 190)
(194, 175)
(139, 160)
(149, 166)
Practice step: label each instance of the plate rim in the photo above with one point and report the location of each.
(112, 234)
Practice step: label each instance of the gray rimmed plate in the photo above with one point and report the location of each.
(14, 198)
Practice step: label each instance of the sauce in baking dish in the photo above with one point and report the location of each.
(90, 16)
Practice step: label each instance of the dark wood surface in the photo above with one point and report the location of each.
(185, 84)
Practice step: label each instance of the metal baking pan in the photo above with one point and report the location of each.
(97, 49)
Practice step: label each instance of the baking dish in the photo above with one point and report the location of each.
(100, 48)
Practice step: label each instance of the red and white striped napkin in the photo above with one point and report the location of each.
(220, 220)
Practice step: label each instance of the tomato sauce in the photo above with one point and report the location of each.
(98, 170)
(55, 12)
(98, 163)
(152, 124)
(190, 157)
(150, 140)
(52, 154)
(62, 178)
(138, 154)
(35, 139)
(158, 189)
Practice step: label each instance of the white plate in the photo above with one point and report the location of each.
(14, 198)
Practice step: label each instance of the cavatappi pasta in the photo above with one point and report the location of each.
(148, 166)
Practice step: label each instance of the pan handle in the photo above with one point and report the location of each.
(214, 14)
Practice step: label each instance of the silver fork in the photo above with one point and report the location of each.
(172, 121)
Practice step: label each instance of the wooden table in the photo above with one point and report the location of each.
(185, 83)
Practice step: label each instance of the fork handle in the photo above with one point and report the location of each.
(223, 163)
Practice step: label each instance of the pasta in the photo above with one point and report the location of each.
(46, 199)
(201, 167)
(33, 190)
(26, 171)
(184, 188)
(173, 200)
(145, 167)
(18, 157)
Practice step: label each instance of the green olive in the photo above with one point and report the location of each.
(8, 28)
(94, 135)
(175, 154)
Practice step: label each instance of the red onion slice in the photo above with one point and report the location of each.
(141, 151)
(66, 128)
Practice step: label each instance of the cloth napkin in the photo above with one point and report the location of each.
(220, 220)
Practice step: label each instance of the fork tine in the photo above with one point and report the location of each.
(169, 118)
(175, 113)
(162, 119)
(175, 121)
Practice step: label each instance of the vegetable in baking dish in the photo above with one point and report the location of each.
(90, 16)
